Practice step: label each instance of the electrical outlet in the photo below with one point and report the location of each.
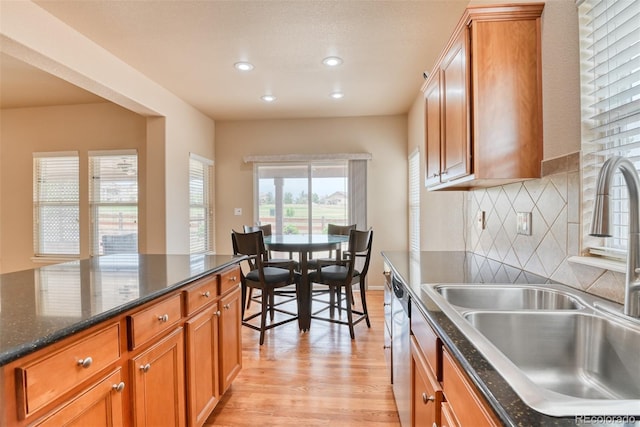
(480, 220)
(237, 211)
(523, 223)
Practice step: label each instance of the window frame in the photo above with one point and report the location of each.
(207, 205)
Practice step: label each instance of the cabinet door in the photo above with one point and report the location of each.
(230, 338)
(432, 130)
(158, 383)
(456, 145)
(202, 365)
(99, 405)
(425, 389)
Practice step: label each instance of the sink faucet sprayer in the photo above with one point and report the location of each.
(600, 224)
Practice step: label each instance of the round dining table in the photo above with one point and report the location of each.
(304, 244)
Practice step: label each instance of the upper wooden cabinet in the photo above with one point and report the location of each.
(483, 101)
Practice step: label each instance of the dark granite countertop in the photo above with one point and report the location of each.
(41, 306)
(416, 268)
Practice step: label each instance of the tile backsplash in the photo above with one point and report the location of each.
(555, 207)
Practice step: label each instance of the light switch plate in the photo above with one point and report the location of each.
(523, 221)
(237, 211)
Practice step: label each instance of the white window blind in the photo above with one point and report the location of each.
(200, 209)
(113, 200)
(414, 201)
(610, 78)
(56, 204)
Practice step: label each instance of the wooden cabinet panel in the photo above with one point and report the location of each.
(153, 321)
(158, 393)
(202, 365)
(229, 279)
(201, 293)
(230, 338)
(432, 129)
(47, 378)
(100, 405)
(468, 407)
(448, 417)
(425, 390)
(428, 341)
(456, 143)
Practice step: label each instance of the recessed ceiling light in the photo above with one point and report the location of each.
(243, 66)
(332, 61)
(268, 98)
(337, 95)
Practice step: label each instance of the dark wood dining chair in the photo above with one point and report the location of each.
(266, 278)
(343, 274)
(270, 260)
(336, 230)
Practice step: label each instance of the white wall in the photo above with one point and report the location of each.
(81, 128)
(29, 33)
(384, 137)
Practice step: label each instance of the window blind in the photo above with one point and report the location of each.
(414, 201)
(610, 79)
(56, 204)
(200, 209)
(113, 201)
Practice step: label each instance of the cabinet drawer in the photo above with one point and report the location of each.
(153, 321)
(425, 389)
(48, 378)
(201, 293)
(429, 342)
(465, 403)
(229, 279)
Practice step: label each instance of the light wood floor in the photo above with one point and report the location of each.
(318, 378)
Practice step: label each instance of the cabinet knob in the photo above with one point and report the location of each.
(86, 362)
(233, 278)
(164, 318)
(118, 387)
(227, 306)
(145, 368)
(206, 294)
(426, 399)
(217, 313)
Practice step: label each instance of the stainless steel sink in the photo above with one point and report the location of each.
(576, 354)
(555, 346)
(506, 298)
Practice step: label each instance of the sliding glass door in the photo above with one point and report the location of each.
(302, 198)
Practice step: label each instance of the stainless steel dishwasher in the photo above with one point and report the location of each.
(401, 350)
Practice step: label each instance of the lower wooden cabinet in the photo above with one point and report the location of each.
(98, 406)
(158, 393)
(203, 392)
(426, 391)
(230, 337)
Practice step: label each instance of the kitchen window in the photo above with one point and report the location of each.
(56, 198)
(303, 195)
(414, 201)
(113, 201)
(610, 87)
(200, 206)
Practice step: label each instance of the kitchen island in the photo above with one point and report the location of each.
(115, 339)
(495, 398)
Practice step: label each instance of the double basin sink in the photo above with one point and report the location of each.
(564, 352)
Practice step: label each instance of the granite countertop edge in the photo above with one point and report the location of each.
(27, 348)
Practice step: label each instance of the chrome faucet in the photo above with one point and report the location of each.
(601, 222)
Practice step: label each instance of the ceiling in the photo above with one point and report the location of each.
(190, 47)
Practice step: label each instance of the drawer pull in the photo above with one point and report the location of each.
(118, 387)
(86, 362)
(164, 318)
(227, 306)
(217, 313)
(426, 399)
(145, 368)
(206, 294)
(386, 347)
(233, 278)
